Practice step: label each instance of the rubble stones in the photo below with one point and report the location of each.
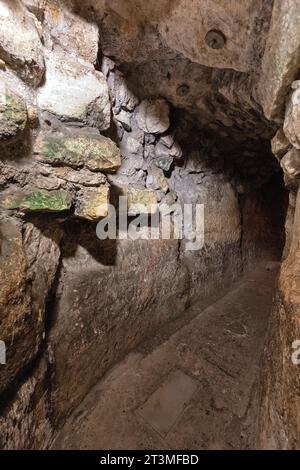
(153, 116)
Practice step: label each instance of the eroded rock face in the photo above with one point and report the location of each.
(102, 321)
(74, 91)
(28, 267)
(153, 116)
(290, 163)
(31, 410)
(72, 33)
(39, 200)
(95, 152)
(281, 58)
(280, 144)
(20, 42)
(93, 203)
(13, 115)
(20, 331)
(291, 126)
(177, 101)
(279, 423)
(279, 418)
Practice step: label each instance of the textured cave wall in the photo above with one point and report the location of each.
(169, 120)
(279, 425)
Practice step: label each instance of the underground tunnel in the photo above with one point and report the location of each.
(149, 224)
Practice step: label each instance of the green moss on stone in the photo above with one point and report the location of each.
(39, 200)
(95, 152)
(13, 115)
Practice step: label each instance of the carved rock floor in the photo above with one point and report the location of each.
(195, 388)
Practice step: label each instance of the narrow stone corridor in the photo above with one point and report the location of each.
(198, 389)
(149, 224)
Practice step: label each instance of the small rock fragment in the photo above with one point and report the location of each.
(290, 163)
(140, 201)
(92, 203)
(280, 144)
(164, 163)
(33, 117)
(124, 118)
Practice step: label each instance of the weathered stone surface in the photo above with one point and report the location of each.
(33, 117)
(182, 28)
(80, 177)
(132, 145)
(153, 116)
(37, 7)
(71, 32)
(176, 151)
(30, 410)
(41, 242)
(96, 152)
(121, 95)
(280, 63)
(124, 119)
(279, 418)
(20, 44)
(13, 115)
(74, 91)
(20, 331)
(111, 299)
(280, 144)
(291, 126)
(111, 294)
(140, 201)
(164, 163)
(27, 269)
(92, 203)
(290, 163)
(214, 95)
(37, 200)
(156, 179)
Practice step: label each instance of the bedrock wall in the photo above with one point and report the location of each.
(97, 103)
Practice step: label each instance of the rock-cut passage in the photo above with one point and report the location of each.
(197, 389)
(114, 342)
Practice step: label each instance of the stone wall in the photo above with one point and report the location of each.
(279, 421)
(86, 115)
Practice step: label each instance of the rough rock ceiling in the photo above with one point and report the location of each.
(203, 56)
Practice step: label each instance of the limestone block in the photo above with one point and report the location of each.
(20, 44)
(13, 114)
(71, 32)
(140, 201)
(75, 91)
(92, 203)
(37, 200)
(94, 151)
(280, 63)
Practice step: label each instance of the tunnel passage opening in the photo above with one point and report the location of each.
(218, 154)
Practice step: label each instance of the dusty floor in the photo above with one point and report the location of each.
(193, 390)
